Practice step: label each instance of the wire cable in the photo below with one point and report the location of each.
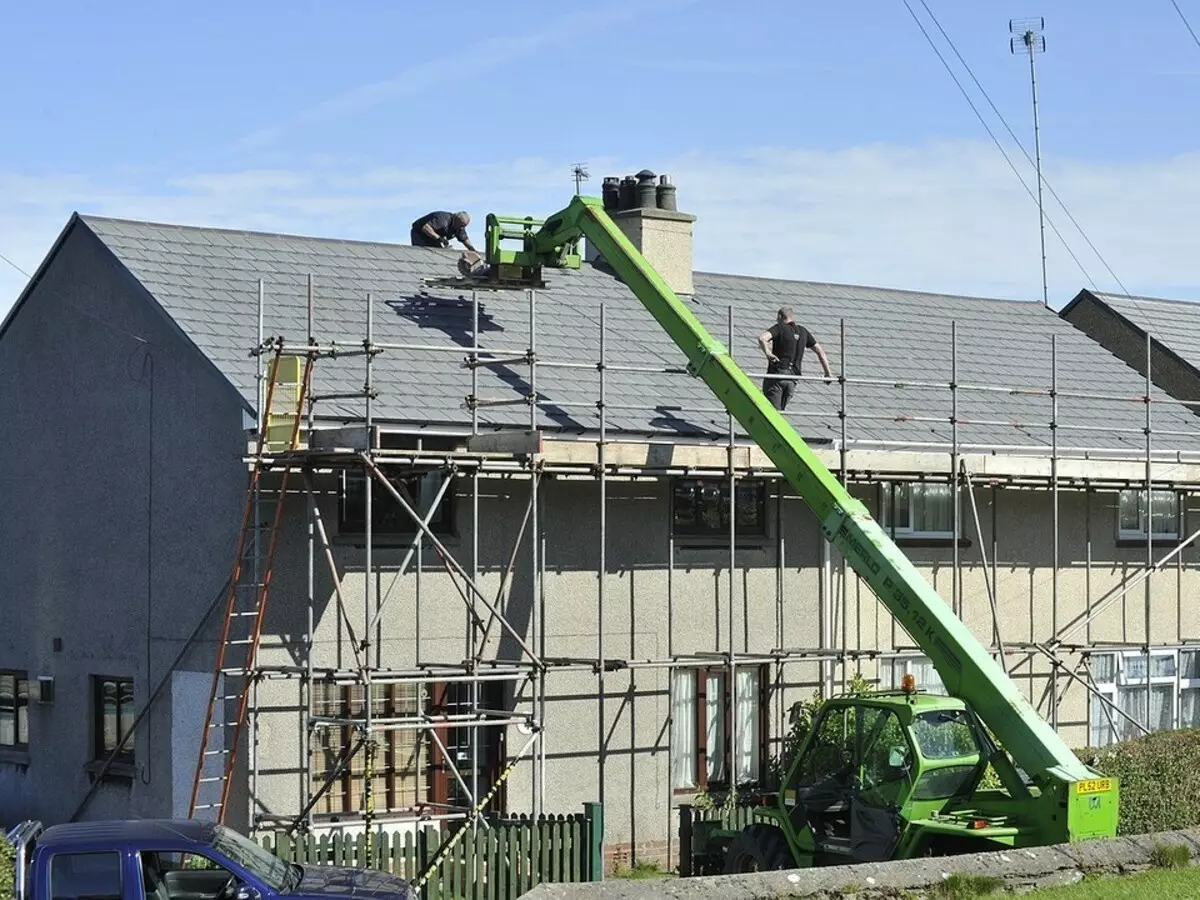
(1028, 158)
(996, 141)
(1186, 23)
(15, 266)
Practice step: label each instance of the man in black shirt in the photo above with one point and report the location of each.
(783, 345)
(436, 228)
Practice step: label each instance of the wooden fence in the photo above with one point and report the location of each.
(699, 853)
(499, 862)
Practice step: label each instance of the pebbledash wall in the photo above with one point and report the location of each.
(636, 757)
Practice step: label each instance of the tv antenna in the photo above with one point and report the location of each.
(1028, 38)
(579, 170)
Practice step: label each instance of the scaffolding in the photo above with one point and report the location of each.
(529, 458)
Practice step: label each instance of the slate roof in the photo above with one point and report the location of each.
(207, 280)
(1173, 323)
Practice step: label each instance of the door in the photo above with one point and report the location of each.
(823, 778)
(885, 765)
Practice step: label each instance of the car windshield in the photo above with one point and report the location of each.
(944, 734)
(273, 871)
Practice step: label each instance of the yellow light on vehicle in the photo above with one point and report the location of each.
(908, 683)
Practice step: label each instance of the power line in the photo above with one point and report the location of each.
(1186, 23)
(995, 140)
(1028, 158)
(15, 266)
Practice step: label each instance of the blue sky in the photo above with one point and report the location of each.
(819, 141)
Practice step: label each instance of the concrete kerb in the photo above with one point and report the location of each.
(1017, 869)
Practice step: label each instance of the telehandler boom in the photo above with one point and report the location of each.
(886, 775)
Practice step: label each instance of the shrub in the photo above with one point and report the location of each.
(1159, 780)
(7, 873)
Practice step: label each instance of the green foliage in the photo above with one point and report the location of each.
(640, 871)
(1159, 780)
(1171, 856)
(960, 886)
(7, 872)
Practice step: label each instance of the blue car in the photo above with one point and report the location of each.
(168, 859)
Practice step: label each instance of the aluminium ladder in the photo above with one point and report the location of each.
(245, 610)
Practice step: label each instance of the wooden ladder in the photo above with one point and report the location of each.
(245, 610)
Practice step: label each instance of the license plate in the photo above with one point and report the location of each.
(1095, 786)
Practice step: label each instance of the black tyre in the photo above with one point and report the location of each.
(759, 848)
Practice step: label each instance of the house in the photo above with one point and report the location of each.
(586, 611)
(1122, 325)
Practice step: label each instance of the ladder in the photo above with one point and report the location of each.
(245, 610)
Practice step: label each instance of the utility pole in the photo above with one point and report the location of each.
(1028, 38)
(581, 175)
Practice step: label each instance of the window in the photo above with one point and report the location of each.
(388, 517)
(14, 710)
(1131, 515)
(700, 507)
(919, 667)
(1121, 679)
(410, 770)
(400, 755)
(112, 717)
(917, 509)
(701, 725)
(94, 876)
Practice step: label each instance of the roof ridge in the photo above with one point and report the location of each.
(1140, 298)
(908, 292)
(870, 287)
(175, 226)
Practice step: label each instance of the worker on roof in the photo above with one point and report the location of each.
(435, 229)
(783, 344)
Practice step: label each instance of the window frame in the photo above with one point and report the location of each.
(1139, 533)
(100, 752)
(434, 780)
(887, 503)
(18, 703)
(1122, 680)
(698, 716)
(758, 532)
(352, 526)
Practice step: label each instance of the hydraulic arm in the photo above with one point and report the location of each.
(967, 669)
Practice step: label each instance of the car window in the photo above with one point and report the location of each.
(944, 734)
(827, 754)
(85, 876)
(273, 871)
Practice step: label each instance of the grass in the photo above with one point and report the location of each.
(641, 871)
(1146, 886)
(1176, 856)
(961, 886)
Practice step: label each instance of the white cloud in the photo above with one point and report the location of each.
(945, 216)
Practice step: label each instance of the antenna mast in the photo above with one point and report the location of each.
(1028, 38)
(579, 170)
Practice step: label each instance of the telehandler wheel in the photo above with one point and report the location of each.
(759, 848)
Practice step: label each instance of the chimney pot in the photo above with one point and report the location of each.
(627, 195)
(647, 216)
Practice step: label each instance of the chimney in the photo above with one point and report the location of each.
(643, 207)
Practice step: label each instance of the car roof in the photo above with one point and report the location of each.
(128, 831)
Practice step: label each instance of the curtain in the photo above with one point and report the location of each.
(683, 729)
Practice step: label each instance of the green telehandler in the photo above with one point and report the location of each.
(886, 775)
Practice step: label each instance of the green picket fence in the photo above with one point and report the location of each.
(699, 852)
(500, 862)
